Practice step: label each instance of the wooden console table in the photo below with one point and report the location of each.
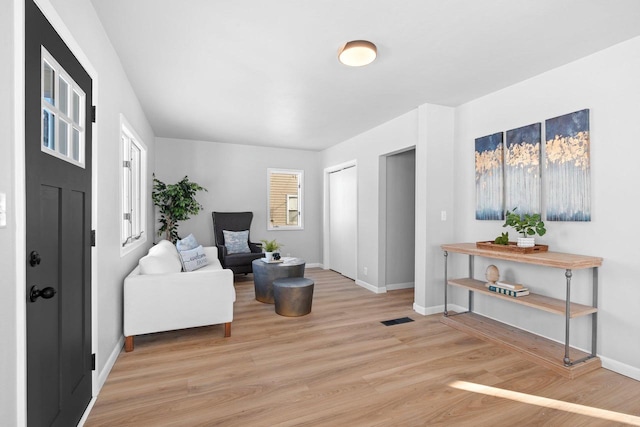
(533, 347)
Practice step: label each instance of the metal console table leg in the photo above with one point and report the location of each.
(446, 255)
(567, 316)
(594, 316)
(594, 320)
(446, 279)
(471, 270)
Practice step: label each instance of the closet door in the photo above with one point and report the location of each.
(343, 221)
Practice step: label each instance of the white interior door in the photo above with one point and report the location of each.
(343, 221)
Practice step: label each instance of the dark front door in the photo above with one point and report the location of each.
(58, 208)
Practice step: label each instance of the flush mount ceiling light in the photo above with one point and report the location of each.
(357, 53)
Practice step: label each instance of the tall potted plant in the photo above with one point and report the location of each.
(176, 202)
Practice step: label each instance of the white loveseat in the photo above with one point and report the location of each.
(158, 296)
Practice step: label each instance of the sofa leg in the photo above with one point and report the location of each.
(227, 329)
(128, 344)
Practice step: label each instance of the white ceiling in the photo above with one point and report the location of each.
(266, 72)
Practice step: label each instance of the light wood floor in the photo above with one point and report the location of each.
(339, 366)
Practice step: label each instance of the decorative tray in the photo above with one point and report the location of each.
(511, 247)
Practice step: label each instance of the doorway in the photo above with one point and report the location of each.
(400, 189)
(58, 166)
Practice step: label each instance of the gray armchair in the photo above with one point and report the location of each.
(235, 221)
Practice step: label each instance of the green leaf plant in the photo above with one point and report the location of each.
(527, 225)
(176, 202)
(271, 245)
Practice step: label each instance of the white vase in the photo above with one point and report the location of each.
(526, 242)
(268, 256)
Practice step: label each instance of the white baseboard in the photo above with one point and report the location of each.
(104, 373)
(396, 286)
(315, 265)
(87, 411)
(102, 378)
(427, 311)
(384, 289)
(370, 287)
(620, 368)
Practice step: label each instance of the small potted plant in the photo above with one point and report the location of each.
(270, 248)
(528, 225)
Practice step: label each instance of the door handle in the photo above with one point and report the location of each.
(45, 293)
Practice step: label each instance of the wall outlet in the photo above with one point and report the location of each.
(443, 215)
(365, 270)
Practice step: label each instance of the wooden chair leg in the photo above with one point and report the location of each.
(128, 344)
(227, 329)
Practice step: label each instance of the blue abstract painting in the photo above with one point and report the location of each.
(567, 167)
(489, 179)
(522, 169)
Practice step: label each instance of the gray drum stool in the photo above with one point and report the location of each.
(293, 296)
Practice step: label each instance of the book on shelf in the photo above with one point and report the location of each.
(508, 292)
(500, 285)
(509, 285)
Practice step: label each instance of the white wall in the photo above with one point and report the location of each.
(236, 179)
(607, 83)
(434, 194)
(78, 25)
(8, 303)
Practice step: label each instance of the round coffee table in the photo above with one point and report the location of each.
(264, 273)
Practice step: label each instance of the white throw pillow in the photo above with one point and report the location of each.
(193, 259)
(163, 247)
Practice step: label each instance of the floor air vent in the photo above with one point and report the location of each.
(397, 321)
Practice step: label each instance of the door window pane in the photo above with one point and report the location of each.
(63, 89)
(76, 108)
(76, 145)
(48, 84)
(63, 139)
(48, 129)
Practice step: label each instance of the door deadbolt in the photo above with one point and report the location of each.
(34, 258)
